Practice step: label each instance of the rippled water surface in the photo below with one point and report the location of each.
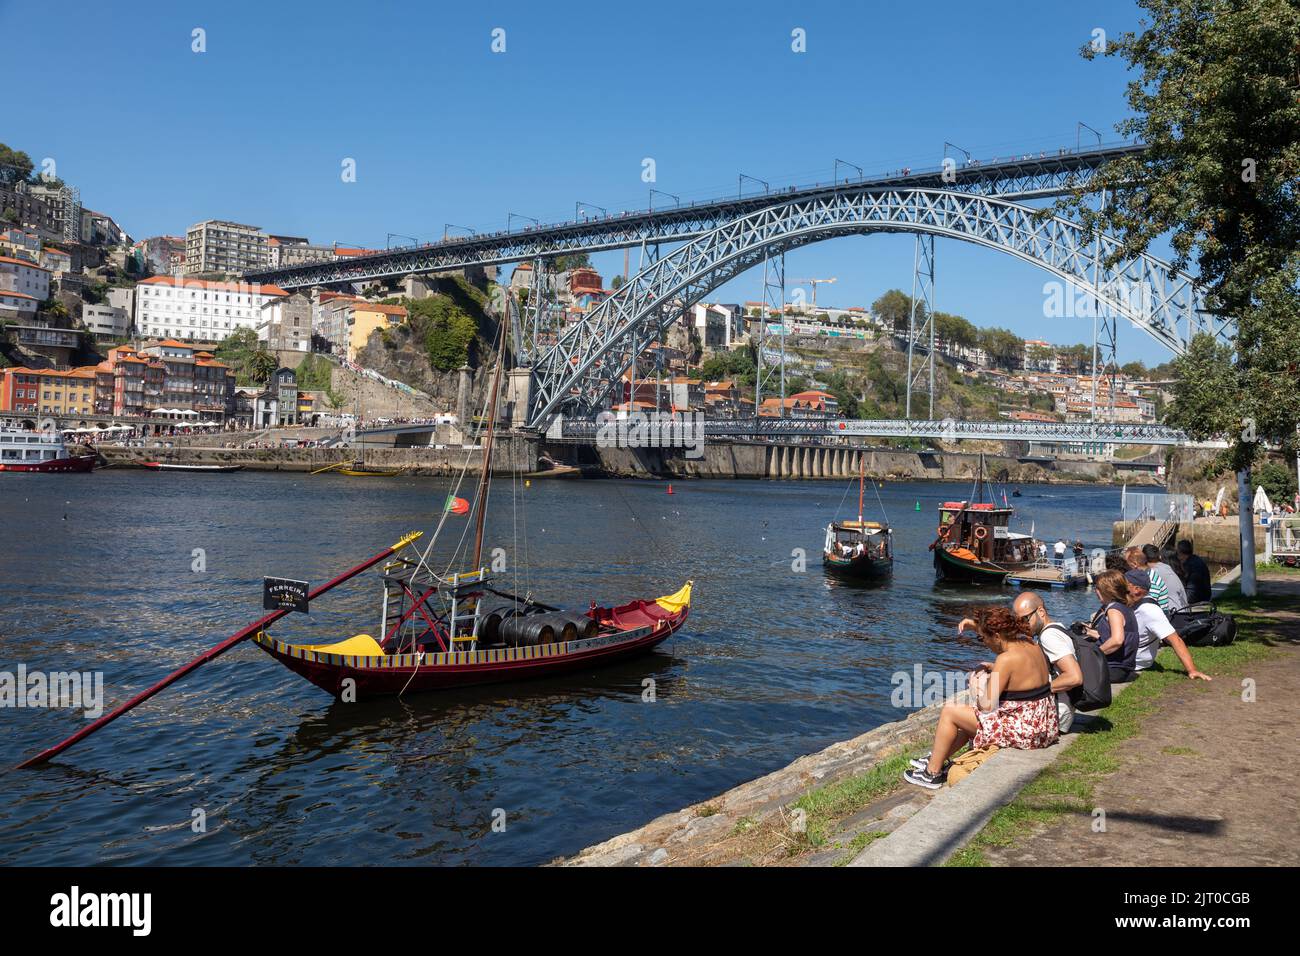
(95, 574)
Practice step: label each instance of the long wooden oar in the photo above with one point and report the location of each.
(210, 654)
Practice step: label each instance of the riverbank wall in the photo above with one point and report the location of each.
(836, 462)
(511, 456)
(691, 835)
(523, 453)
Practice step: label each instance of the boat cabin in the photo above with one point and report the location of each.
(983, 530)
(848, 539)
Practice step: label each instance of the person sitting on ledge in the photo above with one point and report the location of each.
(1055, 641)
(1115, 627)
(1154, 627)
(1014, 704)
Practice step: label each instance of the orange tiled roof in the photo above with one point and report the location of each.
(22, 262)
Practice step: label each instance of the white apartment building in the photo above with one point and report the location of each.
(196, 310)
(107, 320)
(24, 279)
(227, 248)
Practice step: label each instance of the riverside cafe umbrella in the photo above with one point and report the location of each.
(1261, 504)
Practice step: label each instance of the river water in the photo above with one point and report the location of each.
(97, 573)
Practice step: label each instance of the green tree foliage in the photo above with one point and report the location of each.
(448, 331)
(894, 308)
(15, 166)
(737, 366)
(572, 260)
(1004, 348)
(1276, 479)
(955, 329)
(1216, 99)
(252, 363)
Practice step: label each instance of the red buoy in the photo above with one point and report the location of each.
(670, 487)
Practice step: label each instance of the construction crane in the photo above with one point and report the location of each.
(813, 284)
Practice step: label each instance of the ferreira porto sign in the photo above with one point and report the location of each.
(281, 594)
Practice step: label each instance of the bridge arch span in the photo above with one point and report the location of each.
(579, 371)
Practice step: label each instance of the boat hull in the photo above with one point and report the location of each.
(55, 466)
(951, 568)
(202, 469)
(861, 567)
(414, 673)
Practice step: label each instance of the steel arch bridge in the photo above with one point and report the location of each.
(576, 374)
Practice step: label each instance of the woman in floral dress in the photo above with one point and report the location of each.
(1015, 706)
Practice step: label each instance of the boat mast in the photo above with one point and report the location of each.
(486, 476)
(862, 471)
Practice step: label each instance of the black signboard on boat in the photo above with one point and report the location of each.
(282, 594)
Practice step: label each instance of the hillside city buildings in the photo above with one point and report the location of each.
(158, 309)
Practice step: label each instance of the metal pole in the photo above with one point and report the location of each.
(1246, 525)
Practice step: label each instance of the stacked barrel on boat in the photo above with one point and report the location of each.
(522, 625)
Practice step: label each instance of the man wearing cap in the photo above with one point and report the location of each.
(1154, 627)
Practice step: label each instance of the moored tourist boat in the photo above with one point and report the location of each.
(25, 450)
(858, 548)
(975, 543)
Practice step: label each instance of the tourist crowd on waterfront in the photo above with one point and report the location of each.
(1028, 695)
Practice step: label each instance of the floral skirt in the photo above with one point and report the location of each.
(1022, 724)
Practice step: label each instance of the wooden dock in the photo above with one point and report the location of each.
(1046, 576)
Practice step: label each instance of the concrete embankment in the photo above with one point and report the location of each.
(521, 453)
(510, 457)
(700, 834)
(802, 462)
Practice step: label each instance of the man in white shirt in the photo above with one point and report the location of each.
(1154, 628)
(1059, 549)
(1056, 643)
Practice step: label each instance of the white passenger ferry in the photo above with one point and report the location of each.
(22, 449)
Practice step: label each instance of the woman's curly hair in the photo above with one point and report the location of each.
(1000, 624)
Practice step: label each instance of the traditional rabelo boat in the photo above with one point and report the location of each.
(975, 543)
(859, 549)
(359, 469)
(444, 629)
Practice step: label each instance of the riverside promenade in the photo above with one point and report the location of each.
(1174, 772)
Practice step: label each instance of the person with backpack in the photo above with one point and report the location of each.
(1154, 627)
(1057, 644)
(1114, 626)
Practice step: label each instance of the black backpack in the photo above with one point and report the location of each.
(1094, 692)
(1202, 625)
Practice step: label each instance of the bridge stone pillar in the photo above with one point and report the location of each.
(822, 455)
(462, 398)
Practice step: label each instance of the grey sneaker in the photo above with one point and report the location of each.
(921, 763)
(923, 778)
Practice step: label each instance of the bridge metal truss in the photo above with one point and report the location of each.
(1022, 178)
(945, 430)
(590, 358)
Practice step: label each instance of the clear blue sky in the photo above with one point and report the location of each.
(444, 130)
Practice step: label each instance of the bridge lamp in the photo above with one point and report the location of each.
(447, 226)
(740, 184)
(835, 174)
(1078, 132)
(676, 199)
(388, 243)
(511, 216)
(964, 152)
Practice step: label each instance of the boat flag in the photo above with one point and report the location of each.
(457, 506)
